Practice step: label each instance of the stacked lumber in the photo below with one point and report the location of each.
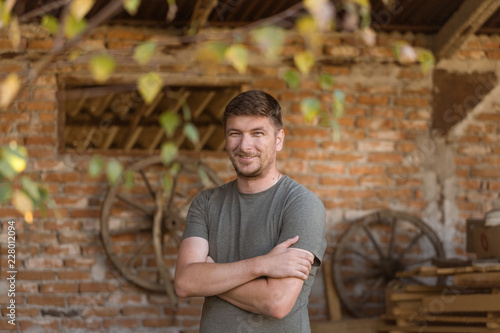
(469, 302)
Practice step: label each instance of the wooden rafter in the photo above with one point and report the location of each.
(201, 12)
(471, 15)
(110, 137)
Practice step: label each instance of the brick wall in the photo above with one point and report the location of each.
(384, 159)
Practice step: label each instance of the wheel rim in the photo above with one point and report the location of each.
(372, 250)
(127, 220)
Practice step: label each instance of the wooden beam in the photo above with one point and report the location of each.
(202, 11)
(471, 15)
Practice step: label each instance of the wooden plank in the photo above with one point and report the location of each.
(462, 303)
(491, 317)
(435, 329)
(471, 15)
(478, 280)
(363, 325)
(331, 293)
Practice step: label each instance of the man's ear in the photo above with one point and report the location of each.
(280, 138)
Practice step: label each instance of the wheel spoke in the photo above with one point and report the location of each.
(129, 231)
(419, 262)
(394, 221)
(148, 185)
(135, 206)
(412, 243)
(139, 252)
(370, 292)
(364, 256)
(372, 239)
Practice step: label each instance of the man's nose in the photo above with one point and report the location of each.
(246, 142)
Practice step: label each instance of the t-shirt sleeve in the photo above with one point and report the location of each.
(196, 220)
(305, 216)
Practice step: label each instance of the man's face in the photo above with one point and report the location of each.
(251, 143)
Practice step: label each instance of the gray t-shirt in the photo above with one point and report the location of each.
(240, 226)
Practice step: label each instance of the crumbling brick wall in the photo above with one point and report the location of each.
(64, 280)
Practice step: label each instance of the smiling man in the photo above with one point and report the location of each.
(252, 246)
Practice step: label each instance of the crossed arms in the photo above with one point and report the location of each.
(240, 283)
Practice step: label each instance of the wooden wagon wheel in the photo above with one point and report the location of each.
(141, 227)
(372, 250)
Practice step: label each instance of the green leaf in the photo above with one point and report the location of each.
(270, 40)
(149, 85)
(169, 121)
(168, 183)
(31, 189)
(427, 60)
(366, 18)
(5, 192)
(80, 8)
(74, 26)
(50, 23)
(237, 54)
(326, 81)
(143, 52)
(102, 66)
(191, 132)
(168, 152)
(4, 15)
(338, 103)
(113, 171)
(13, 159)
(129, 181)
(210, 55)
(131, 6)
(205, 180)
(304, 61)
(311, 108)
(22, 202)
(96, 165)
(292, 78)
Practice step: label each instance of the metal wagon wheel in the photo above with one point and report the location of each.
(370, 253)
(141, 227)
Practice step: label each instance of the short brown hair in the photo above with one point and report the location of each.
(254, 103)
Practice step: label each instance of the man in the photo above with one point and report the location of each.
(252, 246)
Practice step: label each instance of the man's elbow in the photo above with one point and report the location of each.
(181, 289)
(280, 307)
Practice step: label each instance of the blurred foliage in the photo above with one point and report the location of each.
(266, 41)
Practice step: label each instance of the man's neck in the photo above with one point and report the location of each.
(255, 185)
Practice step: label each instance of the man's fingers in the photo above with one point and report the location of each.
(290, 241)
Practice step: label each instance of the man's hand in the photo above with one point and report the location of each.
(283, 261)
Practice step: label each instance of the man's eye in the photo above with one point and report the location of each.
(258, 133)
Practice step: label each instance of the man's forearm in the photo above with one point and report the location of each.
(267, 296)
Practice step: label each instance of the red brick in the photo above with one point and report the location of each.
(485, 173)
(339, 146)
(89, 323)
(38, 238)
(74, 275)
(413, 125)
(43, 262)
(93, 287)
(270, 83)
(336, 181)
(366, 170)
(40, 152)
(366, 204)
(385, 158)
(375, 123)
(310, 132)
(36, 128)
(41, 141)
(324, 168)
(373, 100)
(26, 287)
(387, 112)
(157, 322)
(375, 181)
(62, 249)
(35, 275)
(12, 67)
(100, 312)
(141, 311)
(412, 101)
(121, 33)
(40, 44)
(85, 212)
(306, 180)
(60, 177)
(494, 185)
(45, 300)
(121, 322)
(395, 193)
(310, 155)
(8, 117)
(44, 93)
(40, 323)
(87, 300)
(79, 263)
(59, 288)
(37, 106)
(376, 146)
(307, 144)
(358, 194)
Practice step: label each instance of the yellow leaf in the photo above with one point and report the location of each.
(131, 6)
(74, 26)
(304, 61)
(322, 12)
(307, 28)
(210, 55)
(80, 8)
(28, 216)
(270, 40)
(238, 56)
(149, 85)
(102, 66)
(9, 89)
(22, 202)
(144, 52)
(15, 32)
